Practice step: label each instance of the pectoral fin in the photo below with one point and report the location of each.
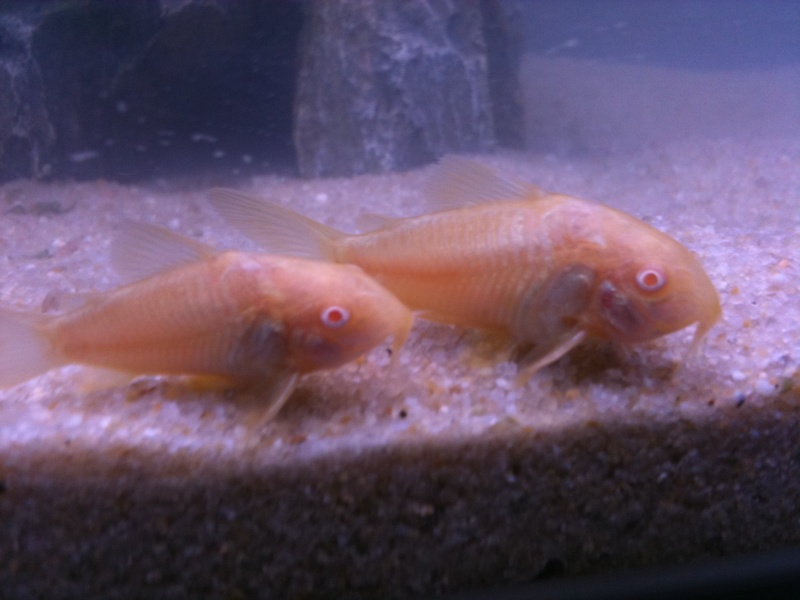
(96, 379)
(265, 399)
(535, 360)
(555, 315)
(278, 394)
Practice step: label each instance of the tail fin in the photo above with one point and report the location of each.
(25, 351)
(274, 228)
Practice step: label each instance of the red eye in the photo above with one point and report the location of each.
(335, 316)
(650, 280)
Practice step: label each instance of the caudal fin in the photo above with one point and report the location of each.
(25, 351)
(275, 228)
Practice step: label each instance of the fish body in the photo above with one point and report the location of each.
(247, 319)
(548, 270)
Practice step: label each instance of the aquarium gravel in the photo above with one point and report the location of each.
(434, 471)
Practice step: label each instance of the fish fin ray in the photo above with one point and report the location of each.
(275, 228)
(437, 317)
(278, 394)
(373, 222)
(460, 182)
(534, 362)
(399, 340)
(207, 383)
(265, 399)
(142, 250)
(95, 379)
(61, 301)
(25, 350)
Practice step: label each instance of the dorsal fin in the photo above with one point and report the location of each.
(275, 228)
(142, 250)
(460, 182)
(61, 301)
(374, 221)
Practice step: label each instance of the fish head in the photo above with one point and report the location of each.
(339, 314)
(650, 286)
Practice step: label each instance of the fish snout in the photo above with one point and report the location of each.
(389, 318)
(692, 299)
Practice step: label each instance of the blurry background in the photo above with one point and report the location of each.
(614, 74)
(212, 89)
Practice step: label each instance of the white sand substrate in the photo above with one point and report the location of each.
(438, 472)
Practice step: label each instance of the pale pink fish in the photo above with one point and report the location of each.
(247, 320)
(547, 270)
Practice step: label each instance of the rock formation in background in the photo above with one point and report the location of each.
(205, 89)
(390, 85)
(139, 89)
(503, 30)
(26, 133)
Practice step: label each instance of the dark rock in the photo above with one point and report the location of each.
(81, 48)
(212, 91)
(390, 85)
(26, 135)
(137, 89)
(205, 89)
(503, 28)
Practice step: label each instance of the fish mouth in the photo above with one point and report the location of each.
(395, 326)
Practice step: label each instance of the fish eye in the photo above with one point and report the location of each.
(650, 279)
(335, 316)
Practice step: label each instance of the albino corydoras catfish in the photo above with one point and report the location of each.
(246, 320)
(547, 270)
